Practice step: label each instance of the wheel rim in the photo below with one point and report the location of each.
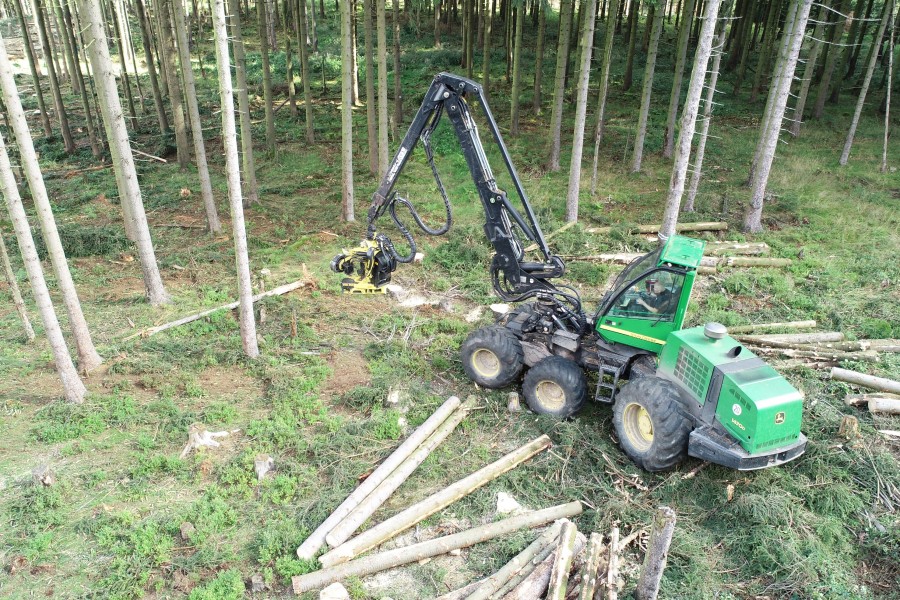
(550, 395)
(638, 426)
(486, 363)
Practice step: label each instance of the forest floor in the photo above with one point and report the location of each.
(823, 526)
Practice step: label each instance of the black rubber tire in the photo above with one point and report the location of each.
(492, 357)
(555, 386)
(643, 365)
(667, 442)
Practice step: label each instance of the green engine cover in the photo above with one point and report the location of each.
(733, 386)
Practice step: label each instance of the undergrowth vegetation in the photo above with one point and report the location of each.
(129, 517)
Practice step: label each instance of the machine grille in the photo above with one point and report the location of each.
(691, 371)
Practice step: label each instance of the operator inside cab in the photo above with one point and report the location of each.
(658, 297)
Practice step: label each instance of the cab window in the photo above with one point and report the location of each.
(655, 296)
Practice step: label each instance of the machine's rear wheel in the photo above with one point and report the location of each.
(653, 431)
(492, 357)
(555, 386)
(642, 366)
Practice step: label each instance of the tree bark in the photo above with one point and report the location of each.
(314, 542)
(240, 71)
(68, 50)
(769, 326)
(233, 174)
(841, 67)
(161, 117)
(809, 72)
(34, 66)
(587, 39)
(632, 45)
(861, 100)
(595, 543)
(39, 17)
(559, 87)
(123, 71)
(535, 583)
(870, 381)
(681, 49)
(830, 59)
(486, 65)
(517, 74)
(120, 149)
(371, 117)
(267, 76)
(431, 548)
(707, 116)
(539, 54)
(689, 119)
(305, 72)
(769, 41)
(565, 554)
(438, 501)
(381, 34)
(398, 96)
(347, 113)
(769, 134)
(437, 23)
(612, 562)
(73, 388)
(176, 96)
(657, 553)
(887, 101)
(647, 89)
(15, 292)
(96, 146)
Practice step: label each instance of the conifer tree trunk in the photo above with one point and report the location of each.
(647, 89)
(809, 71)
(347, 112)
(267, 76)
(486, 63)
(689, 118)
(587, 40)
(354, 55)
(565, 16)
(746, 43)
(120, 148)
(40, 19)
(769, 135)
(517, 74)
(96, 146)
(873, 60)
(470, 40)
(381, 34)
(699, 153)
(68, 50)
(15, 292)
(123, 71)
(632, 44)
(841, 68)
(304, 71)
(34, 66)
(233, 174)
(830, 60)
(680, 60)
(887, 100)
(371, 117)
(146, 36)
(539, 54)
(398, 96)
(240, 70)
(292, 91)
(857, 46)
(176, 96)
(604, 90)
(88, 358)
(769, 43)
(187, 72)
(437, 23)
(73, 388)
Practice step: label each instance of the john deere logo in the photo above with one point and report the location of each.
(779, 418)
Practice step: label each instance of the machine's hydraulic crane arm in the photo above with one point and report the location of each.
(369, 266)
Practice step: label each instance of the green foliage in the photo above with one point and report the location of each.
(137, 548)
(228, 585)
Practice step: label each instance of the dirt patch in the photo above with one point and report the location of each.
(349, 369)
(218, 382)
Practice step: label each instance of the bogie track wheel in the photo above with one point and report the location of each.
(555, 386)
(653, 431)
(492, 357)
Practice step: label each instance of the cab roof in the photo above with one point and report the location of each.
(682, 251)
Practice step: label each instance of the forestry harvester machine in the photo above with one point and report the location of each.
(675, 392)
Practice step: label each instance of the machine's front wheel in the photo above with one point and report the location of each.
(492, 357)
(555, 386)
(653, 431)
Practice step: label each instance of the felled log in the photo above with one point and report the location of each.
(315, 540)
(860, 346)
(887, 406)
(565, 553)
(492, 584)
(715, 226)
(535, 584)
(744, 261)
(432, 504)
(416, 552)
(775, 339)
(279, 291)
(612, 565)
(743, 248)
(770, 326)
(591, 564)
(657, 553)
(823, 355)
(859, 399)
(367, 506)
(870, 381)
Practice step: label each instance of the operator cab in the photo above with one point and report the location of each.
(650, 296)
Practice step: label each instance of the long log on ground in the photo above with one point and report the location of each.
(565, 553)
(747, 261)
(823, 355)
(715, 226)
(527, 570)
(552, 235)
(591, 564)
(612, 565)
(367, 507)
(771, 326)
(492, 584)
(535, 584)
(442, 545)
(432, 504)
(774, 339)
(887, 406)
(860, 346)
(657, 553)
(860, 399)
(870, 381)
(281, 290)
(316, 539)
(744, 248)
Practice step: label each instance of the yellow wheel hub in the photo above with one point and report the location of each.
(486, 363)
(550, 394)
(638, 426)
